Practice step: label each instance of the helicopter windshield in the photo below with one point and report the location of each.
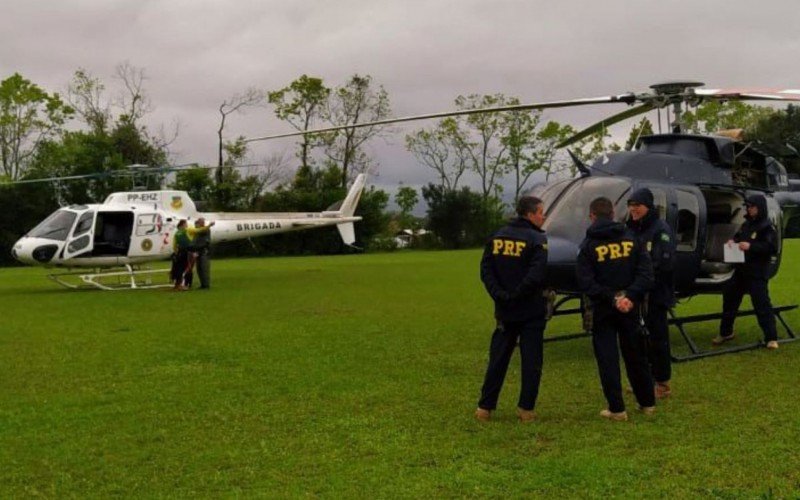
(55, 227)
(549, 192)
(568, 218)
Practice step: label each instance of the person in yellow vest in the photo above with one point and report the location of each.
(183, 254)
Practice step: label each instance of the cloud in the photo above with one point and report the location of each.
(425, 53)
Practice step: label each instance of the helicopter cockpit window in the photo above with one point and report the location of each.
(55, 227)
(660, 201)
(688, 212)
(84, 224)
(569, 216)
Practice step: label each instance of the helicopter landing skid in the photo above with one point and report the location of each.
(129, 279)
(697, 353)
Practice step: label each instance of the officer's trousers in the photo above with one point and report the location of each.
(759, 295)
(610, 324)
(658, 352)
(531, 346)
(204, 268)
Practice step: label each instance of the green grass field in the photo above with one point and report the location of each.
(358, 376)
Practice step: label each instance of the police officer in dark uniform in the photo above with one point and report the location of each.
(202, 246)
(513, 270)
(758, 240)
(615, 272)
(659, 239)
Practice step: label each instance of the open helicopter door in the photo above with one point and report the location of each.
(81, 242)
(147, 234)
(687, 215)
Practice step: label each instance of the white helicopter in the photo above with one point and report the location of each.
(130, 229)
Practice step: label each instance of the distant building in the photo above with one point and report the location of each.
(406, 237)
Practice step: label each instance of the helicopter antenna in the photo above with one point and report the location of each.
(582, 167)
(638, 134)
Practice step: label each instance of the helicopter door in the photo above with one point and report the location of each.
(689, 222)
(81, 242)
(147, 235)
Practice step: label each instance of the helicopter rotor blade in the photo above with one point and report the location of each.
(751, 94)
(623, 98)
(606, 122)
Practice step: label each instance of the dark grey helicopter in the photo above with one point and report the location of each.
(699, 182)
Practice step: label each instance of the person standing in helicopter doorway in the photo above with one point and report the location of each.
(659, 240)
(513, 272)
(759, 241)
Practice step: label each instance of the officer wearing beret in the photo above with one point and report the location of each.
(513, 271)
(758, 240)
(614, 271)
(659, 239)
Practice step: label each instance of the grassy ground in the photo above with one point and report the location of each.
(357, 376)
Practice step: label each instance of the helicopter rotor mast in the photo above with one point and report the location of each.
(676, 93)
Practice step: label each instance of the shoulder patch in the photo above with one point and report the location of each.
(665, 237)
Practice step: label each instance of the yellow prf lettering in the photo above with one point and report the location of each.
(520, 247)
(497, 245)
(602, 251)
(614, 250)
(627, 246)
(509, 247)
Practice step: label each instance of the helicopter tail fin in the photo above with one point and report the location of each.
(347, 232)
(350, 203)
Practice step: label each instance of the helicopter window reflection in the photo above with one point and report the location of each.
(569, 216)
(84, 224)
(79, 244)
(688, 212)
(549, 192)
(55, 227)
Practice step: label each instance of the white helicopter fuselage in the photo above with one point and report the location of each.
(132, 228)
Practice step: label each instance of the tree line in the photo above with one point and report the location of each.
(102, 142)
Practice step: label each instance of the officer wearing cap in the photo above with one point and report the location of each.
(659, 239)
(513, 271)
(758, 240)
(614, 271)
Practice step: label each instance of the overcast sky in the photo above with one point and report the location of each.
(197, 53)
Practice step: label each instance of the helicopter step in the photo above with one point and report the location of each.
(697, 353)
(132, 278)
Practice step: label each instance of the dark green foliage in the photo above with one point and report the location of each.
(779, 132)
(21, 208)
(461, 218)
(197, 182)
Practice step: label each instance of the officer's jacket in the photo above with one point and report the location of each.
(659, 239)
(763, 241)
(612, 260)
(513, 270)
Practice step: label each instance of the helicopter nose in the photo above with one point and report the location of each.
(562, 256)
(30, 251)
